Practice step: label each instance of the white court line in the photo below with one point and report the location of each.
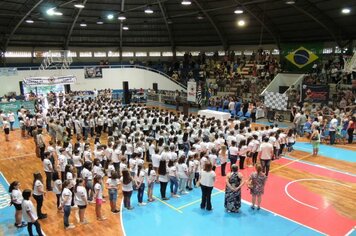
(319, 166)
(15, 157)
(122, 223)
(351, 231)
(300, 180)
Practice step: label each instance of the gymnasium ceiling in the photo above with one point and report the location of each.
(203, 23)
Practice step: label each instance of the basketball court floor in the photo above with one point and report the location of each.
(304, 195)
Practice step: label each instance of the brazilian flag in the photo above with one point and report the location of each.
(300, 57)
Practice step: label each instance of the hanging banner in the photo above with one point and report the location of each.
(49, 81)
(192, 91)
(94, 72)
(315, 93)
(300, 57)
(276, 101)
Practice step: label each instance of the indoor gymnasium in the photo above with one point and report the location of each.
(177, 117)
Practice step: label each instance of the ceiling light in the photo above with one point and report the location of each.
(54, 12)
(200, 16)
(289, 2)
(121, 17)
(100, 21)
(239, 11)
(125, 28)
(79, 5)
(29, 20)
(148, 10)
(110, 16)
(346, 10)
(186, 2)
(83, 23)
(241, 23)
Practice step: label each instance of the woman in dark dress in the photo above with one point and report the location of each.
(234, 182)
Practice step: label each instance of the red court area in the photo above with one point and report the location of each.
(302, 205)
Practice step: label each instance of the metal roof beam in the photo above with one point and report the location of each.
(20, 22)
(70, 31)
(163, 11)
(312, 11)
(256, 12)
(212, 22)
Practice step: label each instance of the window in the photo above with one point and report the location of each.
(209, 54)
(113, 54)
(18, 54)
(275, 52)
(167, 54)
(195, 53)
(337, 50)
(221, 53)
(99, 54)
(327, 50)
(238, 53)
(141, 54)
(248, 52)
(85, 54)
(72, 54)
(127, 54)
(154, 54)
(267, 51)
(180, 54)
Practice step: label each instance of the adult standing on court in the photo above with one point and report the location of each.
(332, 129)
(315, 140)
(350, 129)
(234, 182)
(177, 99)
(207, 180)
(265, 155)
(256, 184)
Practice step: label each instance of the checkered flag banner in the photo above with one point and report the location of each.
(276, 101)
(49, 81)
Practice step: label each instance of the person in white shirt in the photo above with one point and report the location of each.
(265, 154)
(48, 169)
(182, 170)
(332, 129)
(81, 199)
(207, 180)
(16, 200)
(98, 194)
(11, 117)
(66, 201)
(57, 187)
(234, 152)
(151, 179)
(112, 185)
(127, 188)
(38, 194)
(29, 213)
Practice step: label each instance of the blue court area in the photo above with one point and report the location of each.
(7, 213)
(183, 217)
(328, 151)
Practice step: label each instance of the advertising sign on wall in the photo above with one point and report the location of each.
(94, 72)
(315, 93)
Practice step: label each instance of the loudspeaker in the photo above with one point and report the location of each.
(67, 88)
(155, 87)
(21, 88)
(282, 89)
(126, 93)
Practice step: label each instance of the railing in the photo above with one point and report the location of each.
(116, 66)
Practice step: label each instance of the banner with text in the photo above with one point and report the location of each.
(192, 91)
(315, 93)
